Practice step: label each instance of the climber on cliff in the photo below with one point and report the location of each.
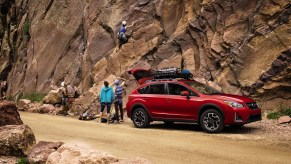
(121, 34)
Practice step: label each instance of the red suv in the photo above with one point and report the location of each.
(186, 100)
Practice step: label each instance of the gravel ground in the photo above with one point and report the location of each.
(269, 131)
(275, 132)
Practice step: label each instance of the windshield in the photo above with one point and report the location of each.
(202, 88)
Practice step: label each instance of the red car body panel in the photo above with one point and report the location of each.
(180, 108)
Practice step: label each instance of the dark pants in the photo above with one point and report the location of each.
(65, 106)
(103, 105)
(122, 40)
(118, 106)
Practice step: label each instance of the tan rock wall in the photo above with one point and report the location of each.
(234, 44)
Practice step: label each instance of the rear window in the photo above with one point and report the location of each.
(157, 89)
(143, 90)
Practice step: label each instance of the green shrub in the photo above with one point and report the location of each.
(273, 115)
(22, 160)
(33, 97)
(283, 111)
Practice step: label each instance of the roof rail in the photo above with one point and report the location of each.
(164, 79)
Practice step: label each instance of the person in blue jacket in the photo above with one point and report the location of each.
(106, 99)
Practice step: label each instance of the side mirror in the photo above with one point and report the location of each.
(185, 93)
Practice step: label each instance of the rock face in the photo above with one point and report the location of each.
(40, 152)
(243, 46)
(16, 140)
(76, 153)
(9, 114)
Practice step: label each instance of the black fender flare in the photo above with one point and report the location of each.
(206, 106)
(141, 106)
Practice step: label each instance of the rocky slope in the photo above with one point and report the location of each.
(243, 46)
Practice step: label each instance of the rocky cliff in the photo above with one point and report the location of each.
(244, 46)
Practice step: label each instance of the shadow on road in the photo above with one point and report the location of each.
(176, 126)
(197, 128)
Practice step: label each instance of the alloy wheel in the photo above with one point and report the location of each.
(139, 118)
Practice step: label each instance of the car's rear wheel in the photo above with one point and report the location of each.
(211, 121)
(140, 118)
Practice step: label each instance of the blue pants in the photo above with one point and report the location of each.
(103, 105)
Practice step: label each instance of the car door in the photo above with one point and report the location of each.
(178, 106)
(155, 99)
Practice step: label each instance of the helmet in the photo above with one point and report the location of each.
(124, 23)
(63, 84)
(116, 82)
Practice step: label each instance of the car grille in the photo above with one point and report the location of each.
(252, 105)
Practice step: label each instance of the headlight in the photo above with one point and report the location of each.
(234, 104)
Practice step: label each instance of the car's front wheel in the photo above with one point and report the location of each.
(211, 121)
(140, 118)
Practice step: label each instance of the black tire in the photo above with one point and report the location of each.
(211, 121)
(140, 118)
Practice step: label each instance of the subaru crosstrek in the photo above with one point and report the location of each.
(186, 100)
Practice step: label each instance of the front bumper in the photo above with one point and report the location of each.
(245, 115)
(254, 118)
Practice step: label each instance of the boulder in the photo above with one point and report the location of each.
(8, 159)
(40, 152)
(53, 97)
(59, 110)
(16, 140)
(9, 114)
(34, 107)
(47, 108)
(77, 153)
(23, 104)
(284, 119)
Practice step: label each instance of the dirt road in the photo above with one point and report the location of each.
(179, 143)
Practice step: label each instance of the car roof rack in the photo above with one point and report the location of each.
(164, 79)
(172, 73)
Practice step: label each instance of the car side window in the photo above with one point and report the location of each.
(143, 90)
(157, 89)
(176, 89)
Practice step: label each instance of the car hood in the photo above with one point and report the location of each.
(231, 97)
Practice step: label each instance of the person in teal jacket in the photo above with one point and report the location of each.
(106, 99)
